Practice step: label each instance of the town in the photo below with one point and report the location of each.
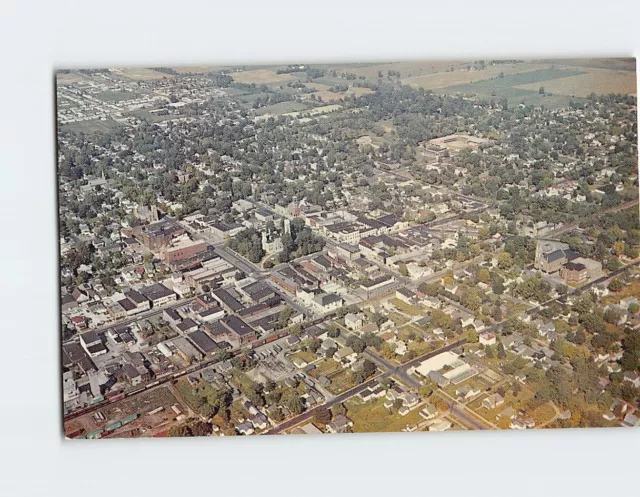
(306, 249)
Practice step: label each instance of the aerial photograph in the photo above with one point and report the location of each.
(296, 248)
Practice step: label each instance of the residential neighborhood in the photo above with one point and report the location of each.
(306, 249)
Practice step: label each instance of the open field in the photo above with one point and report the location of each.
(341, 382)
(91, 126)
(325, 109)
(466, 77)
(599, 81)
(69, 78)
(260, 76)
(325, 367)
(614, 63)
(322, 91)
(199, 69)
(280, 108)
(139, 73)
(509, 87)
(374, 417)
(406, 69)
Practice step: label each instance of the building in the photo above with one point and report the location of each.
(487, 338)
(354, 321)
(92, 343)
(340, 424)
(158, 235)
(551, 256)
(239, 329)
(226, 300)
(139, 300)
(328, 302)
(158, 294)
(183, 248)
(580, 270)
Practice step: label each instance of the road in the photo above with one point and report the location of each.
(391, 370)
(143, 315)
(569, 227)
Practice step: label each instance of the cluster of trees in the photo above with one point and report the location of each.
(248, 243)
(533, 288)
(300, 241)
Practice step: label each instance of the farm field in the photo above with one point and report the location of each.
(69, 78)
(322, 91)
(260, 76)
(408, 69)
(600, 81)
(139, 73)
(509, 87)
(465, 77)
(199, 69)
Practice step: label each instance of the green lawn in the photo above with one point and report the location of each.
(306, 355)
(409, 309)
(341, 382)
(325, 367)
(374, 417)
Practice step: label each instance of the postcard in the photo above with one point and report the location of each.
(343, 248)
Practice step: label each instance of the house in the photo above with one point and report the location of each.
(631, 420)
(429, 412)
(260, 421)
(487, 338)
(307, 429)
(493, 401)
(345, 355)
(522, 423)
(340, 424)
(406, 295)
(467, 391)
(92, 343)
(245, 429)
(440, 425)
(632, 378)
(354, 321)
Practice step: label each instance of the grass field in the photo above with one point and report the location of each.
(260, 76)
(307, 356)
(316, 111)
(281, 108)
(599, 81)
(409, 309)
(341, 382)
(374, 417)
(325, 367)
(91, 126)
